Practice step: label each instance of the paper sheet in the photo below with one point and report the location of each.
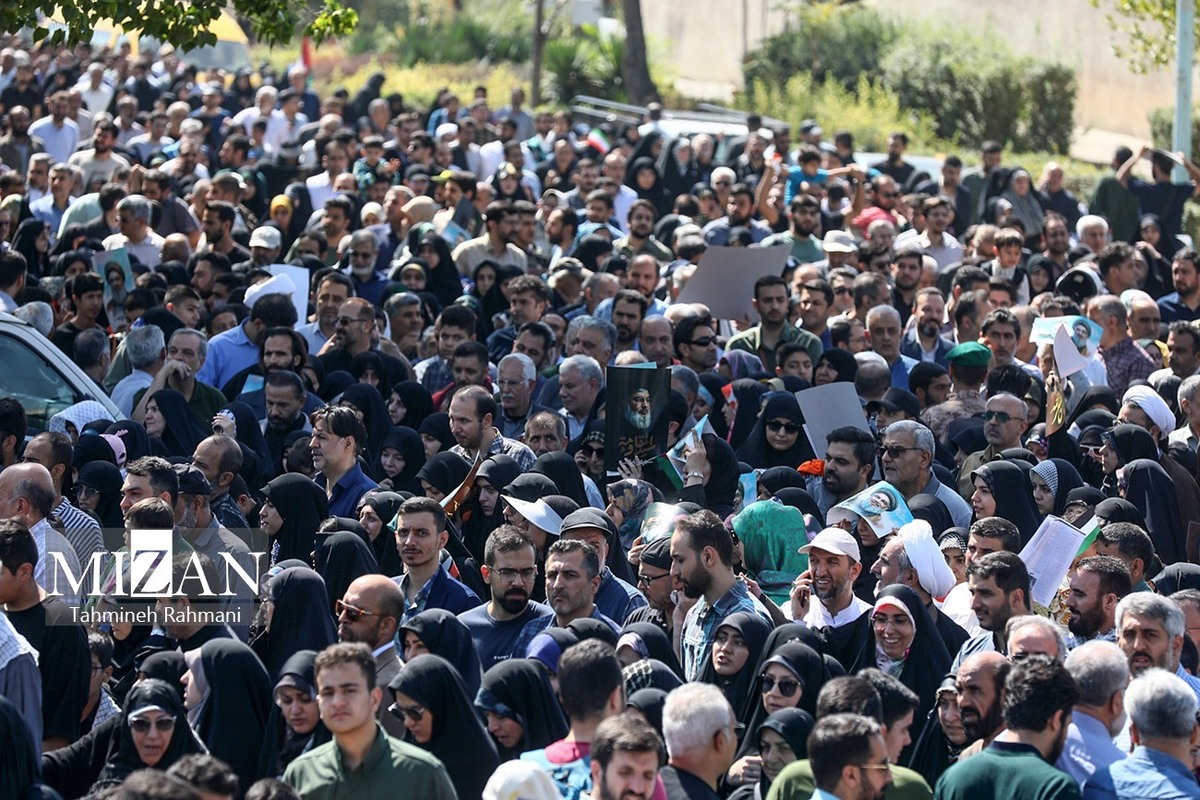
(724, 279)
(300, 278)
(1066, 355)
(1049, 555)
(828, 407)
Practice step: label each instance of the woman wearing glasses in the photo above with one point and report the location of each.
(778, 439)
(432, 700)
(153, 734)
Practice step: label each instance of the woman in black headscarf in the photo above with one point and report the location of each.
(133, 436)
(295, 725)
(933, 750)
(644, 640)
(1157, 249)
(367, 367)
(342, 558)
(153, 734)
(442, 276)
(409, 404)
(442, 474)
(718, 489)
(747, 395)
(20, 772)
(1118, 509)
(299, 617)
(1052, 480)
(1176, 578)
(376, 512)
(439, 632)
(789, 676)
(678, 168)
(645, 180)
(32, 240)
(440, 717)
(334, 384)
(401, 456)
(521, 710)
(435, 433)
(233, 705)
(591, 251)
(773, 479)
(98, 487)
(1002, 490)
(782, 739)
(169, 419)
(905, 644)
(711, 402)
(736, 651)
(167, 666)
(932, 510)
(649, 703)
(293, 508)
(835, 366)
(1152, 492)
(802, 501)
(562, 469)
(367, 400)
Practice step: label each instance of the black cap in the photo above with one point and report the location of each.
(657, 553)
(894, 400)
(192, 480)
(587, 518)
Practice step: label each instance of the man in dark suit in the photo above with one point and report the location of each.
(923, 340)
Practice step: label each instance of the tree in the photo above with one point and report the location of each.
(183, 25)
(1150, 27)
(639, 86)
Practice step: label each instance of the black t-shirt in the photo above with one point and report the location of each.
(64, 337)
(64, 662)
(494, 640)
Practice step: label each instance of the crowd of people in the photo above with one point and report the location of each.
(457, 595)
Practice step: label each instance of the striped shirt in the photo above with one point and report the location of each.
(81, 529)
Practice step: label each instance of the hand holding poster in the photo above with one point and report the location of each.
(636, 419)
(115, 268)
(880, 505)
(1049, 555)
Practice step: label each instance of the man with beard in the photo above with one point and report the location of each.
(472, 411)
(282, 349)
(834, 562)
(496, 243)
(516, 377)
(528, 299)
(655, 582)
(1057, 236)
(628, 312)
(804, 215)
(17, 145)
(1038, 696)
(911, 557)
(884, 194)
(906, 456)
(906, 269)
(999, 586)
(739, 214)
(1098, 585)
(1162, 714)
(369, 612)
(1150, 630)
(773, 330)
(980, 685)
(1101, 672)
(640, 240)
(352, 334)
(100, 162)
(283, 396)
(420, 536)
(615, 598)
(363, 251)
(626, 756)
(935, 241)
(849, 463)
(572, 578)
(924, 341)
(638, 412)
(510, 570)
(702, 563)
(656, 341)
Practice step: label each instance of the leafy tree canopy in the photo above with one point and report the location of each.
(1149, 26)
(184, 25)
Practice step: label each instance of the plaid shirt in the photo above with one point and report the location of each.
(434, 373)
(1125, 363)
(501, 446)
(701, 623)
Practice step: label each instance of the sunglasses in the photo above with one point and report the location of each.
(704, 341)
(143, 725)
(1091, 449)
(894, 451)
(786, 427)
(843, 290)
(353, 613)
(787, 686)
(590, 452)
(1003, 417)
(415, 713)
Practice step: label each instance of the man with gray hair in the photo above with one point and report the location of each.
(580, 380)
(516, 377)
(906, 454)
(147, 350)
(1189, 406)
(1101, 672)
(93, 353)
(1162, 715)
(1005, 420)
(136, 235)
(1029, 634)
(187, 351)
(1150, 632)
(884, 330)
(1124, 361)
(39, 315)
(27, 495)
(699, 727)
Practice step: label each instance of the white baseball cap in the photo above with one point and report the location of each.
(834, 540)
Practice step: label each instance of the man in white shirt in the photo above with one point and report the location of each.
(95, 92)
(59, 133)
(834, 562)
(133, 218)
(320, 186)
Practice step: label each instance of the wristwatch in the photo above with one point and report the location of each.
(696, 474)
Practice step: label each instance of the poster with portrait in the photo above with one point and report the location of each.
(636, 400)
(115, 268)
(880, 505)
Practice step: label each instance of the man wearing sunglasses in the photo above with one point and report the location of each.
(1005, 420)
(369, 613)
(696, 343)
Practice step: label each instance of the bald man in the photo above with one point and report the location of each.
(369, 612)
(27, 494)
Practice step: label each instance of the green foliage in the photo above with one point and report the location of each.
(457, 39)
(587, 63)
(1149, 26)
(972, 88)
(181, 24)
(1162, 127)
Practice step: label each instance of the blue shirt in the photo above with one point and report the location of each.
(900, 371)
(1089, 747)
(228, 354)
(494, 639)
(615, 598)
(349, 489)
(539, 624)
(701, 623)
(1172, 309)
(1145, 773)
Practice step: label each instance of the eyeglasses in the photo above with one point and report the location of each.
(592, 452)
(722, 183)
(415, 713)
(843, 290)
(353, 613)
(646, 580)
(886, 765)
(85, 491)
(895, 450)
(787, 687)
(346, 322)
(509, 384)
(1003, 417)
(704, 341)
(143, 725)
(883, 622)
(509, 575)
(786, 427)
(1091, 449)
